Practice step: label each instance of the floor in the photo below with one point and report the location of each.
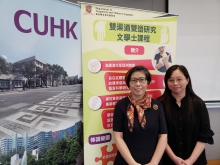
(213, 162)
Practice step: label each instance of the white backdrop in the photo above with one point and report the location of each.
(198, 44)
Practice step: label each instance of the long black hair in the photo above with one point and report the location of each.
(193, 99)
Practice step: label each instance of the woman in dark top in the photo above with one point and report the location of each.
(187, 120)
(139, 123)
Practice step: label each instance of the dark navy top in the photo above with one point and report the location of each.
(141, 142)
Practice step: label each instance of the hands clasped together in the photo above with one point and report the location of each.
(164, 60)
(180, 161)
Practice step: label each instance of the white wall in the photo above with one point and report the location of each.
(198, 43)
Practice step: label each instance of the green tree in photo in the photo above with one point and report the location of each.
(44, 73)
(55, 153)
(57, 72)
(7, 163)
(5, 67)
(27, 69)
(31, 160)
(6, 158)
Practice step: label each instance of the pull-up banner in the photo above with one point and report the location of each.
(40, 83)
(114, 39)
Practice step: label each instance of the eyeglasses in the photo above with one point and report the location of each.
(179, 80)
(135, 80)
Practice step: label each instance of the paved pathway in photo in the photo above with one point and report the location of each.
(57, 112)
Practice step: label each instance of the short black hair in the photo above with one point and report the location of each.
(138, 68)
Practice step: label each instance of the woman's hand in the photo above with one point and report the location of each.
(188, 162)
(179, 161)
(166, 59)
(161, 62)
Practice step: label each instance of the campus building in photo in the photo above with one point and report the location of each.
(38, 141)
(17, 80)
(9, 81)
(37, 63)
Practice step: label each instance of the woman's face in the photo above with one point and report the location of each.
(138, 85)
(177, 83)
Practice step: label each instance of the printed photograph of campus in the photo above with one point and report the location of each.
(41, 113)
